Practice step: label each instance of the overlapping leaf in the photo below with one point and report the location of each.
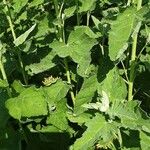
(78, 48)
(120, 32)
(97, 128)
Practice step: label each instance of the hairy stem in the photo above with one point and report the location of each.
(8, 15)
(133, 59)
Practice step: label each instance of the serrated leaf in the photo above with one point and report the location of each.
(97, 128)
(123, 110)
(44, 65)
(78, 48)
(111, 84)
(86, 94)
(120, 32)
(30, 103)
(21, 39)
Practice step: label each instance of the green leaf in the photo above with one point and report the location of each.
(78, 48)
(86, 5)
(144, 140)
(69, 11)
(3, 83)
(86, 94)
(112, 84)
(120, 32)
(55, 92)
(19, 4)
(44, 65)
(30, 103)
(87, 30)
(35, 3)
(97, 128)
(22, 38)
(58, 117)
(123, 110)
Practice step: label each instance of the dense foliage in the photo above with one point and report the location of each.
(75, 74)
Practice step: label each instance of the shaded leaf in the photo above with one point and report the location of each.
(21, 39)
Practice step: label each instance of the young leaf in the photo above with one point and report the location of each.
(120, 32)
(23, 36)
(69, 11)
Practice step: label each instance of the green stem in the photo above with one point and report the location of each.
(129, 3)
(133, 59)
(4, 75)
(8, 15)
(88, 18)
(62, 39)
(78, 15)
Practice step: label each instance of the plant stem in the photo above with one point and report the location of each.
(88, 18)
(14, 38)
(4, 75)
(133, 59)
(62, 39)
(78, 15)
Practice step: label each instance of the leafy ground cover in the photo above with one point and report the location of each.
(74, 74)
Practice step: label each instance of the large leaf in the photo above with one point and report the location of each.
(78, 48)
(97, 128)
(113, 85)
(21, 39)
(30, 103)
(120, 32)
